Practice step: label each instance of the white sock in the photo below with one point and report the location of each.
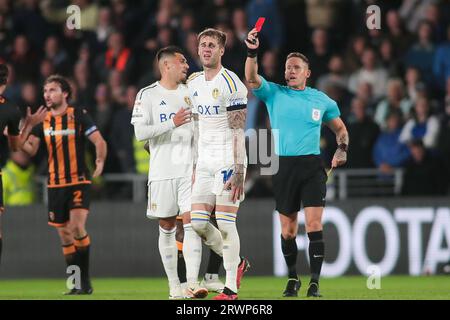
(231, 248)
(169, 254)
(210, 234)
(192, 252)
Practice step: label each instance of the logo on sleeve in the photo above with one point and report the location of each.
(316, 114)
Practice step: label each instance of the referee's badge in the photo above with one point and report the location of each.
(316, 114)
(215, 93)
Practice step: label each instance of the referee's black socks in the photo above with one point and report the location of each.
(289, 248)
(316, 254)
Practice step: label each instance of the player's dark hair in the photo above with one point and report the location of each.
(168, 51)
(298, 55)
(63, 83)
(4, 71)
(214, 33)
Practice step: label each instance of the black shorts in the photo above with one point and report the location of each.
(63, 199)
(300, 180)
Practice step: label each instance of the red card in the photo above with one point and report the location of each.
(259, 23)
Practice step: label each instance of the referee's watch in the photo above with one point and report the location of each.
(343, 147)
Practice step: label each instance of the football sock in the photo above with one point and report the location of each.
(290, 252)
(192, 252)
(231, 248)
(82, 246)
(316, 254)
(169, 254)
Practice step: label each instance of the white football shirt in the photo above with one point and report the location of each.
(170, 152)
(211, 100)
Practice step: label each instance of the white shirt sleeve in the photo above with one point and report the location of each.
(144, 127)
(237, 99)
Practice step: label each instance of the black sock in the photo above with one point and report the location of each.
(1, 245)
(316, 254)
(181, 267)
(214, 262)
(290, 251)
(83, 247)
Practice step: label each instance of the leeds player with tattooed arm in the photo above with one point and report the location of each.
(297, 112)
(219, 99)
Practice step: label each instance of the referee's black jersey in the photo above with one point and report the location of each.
(64, 136)
(9, 117)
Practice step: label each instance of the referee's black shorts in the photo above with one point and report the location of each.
(300, 180)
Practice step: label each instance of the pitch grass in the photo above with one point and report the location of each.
(259, 288)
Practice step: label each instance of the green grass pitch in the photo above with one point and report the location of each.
(253, 288)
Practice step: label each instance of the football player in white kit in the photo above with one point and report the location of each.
(219, 110)
(162, 115)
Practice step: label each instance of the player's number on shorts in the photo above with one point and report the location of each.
(78, 196)
(226, 175)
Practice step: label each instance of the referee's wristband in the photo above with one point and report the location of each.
(251, 53)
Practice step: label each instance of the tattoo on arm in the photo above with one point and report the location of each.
(236, 121)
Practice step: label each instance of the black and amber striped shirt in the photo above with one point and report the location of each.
(65, 136)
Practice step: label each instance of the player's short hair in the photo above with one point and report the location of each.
(214, 33)
(168, 51)
(298, 55)
(63, 83)
(4, 72)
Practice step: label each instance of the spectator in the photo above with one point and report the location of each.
(422, 125)
(28, 20)
(319, 55)
(395, 100)
(117, 57)
(46, 69)
(234, 53)
(58, 56)
(397, 32)
(84, 85)
(273, 31)
(122, 133)
(389, 58)
(240, 24)
(421, 54)
(354, 52)
(422, 175)
(104, 27)
(18, 180)
(413, 83)
(336, 75)
(371, 73)
(389, 152)
(363, 133)
(441, 66)
(270, 69)
(23, 59)
(29, 97)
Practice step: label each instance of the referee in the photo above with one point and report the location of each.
(297, 112)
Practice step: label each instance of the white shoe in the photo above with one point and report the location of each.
(175, 293)
(194, 291)
(212, 283)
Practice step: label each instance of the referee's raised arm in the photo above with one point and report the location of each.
(251, 64)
